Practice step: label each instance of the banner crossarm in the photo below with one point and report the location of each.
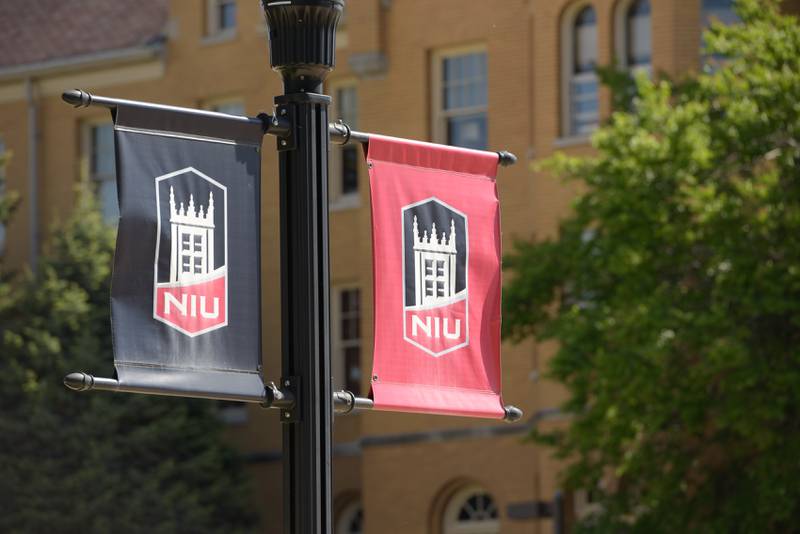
(83, 99)
(272, 396)
(342, 134)
(345, 402)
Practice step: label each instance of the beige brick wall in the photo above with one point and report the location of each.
(402, 486)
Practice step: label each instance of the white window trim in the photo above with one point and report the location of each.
(450, 522)
(338, 370)
(621, 36)
(341, 201)
(439, 116)
(212, 33)
(85, 160)
(567, 67)
(86, 145)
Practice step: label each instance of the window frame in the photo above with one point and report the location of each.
(439, 115)
(707, 18)
(338, 199)
(621, 37)
(567, 67)
(708, 15)
(213, 29)
(95, 181)
(338, 344)
(450, 522)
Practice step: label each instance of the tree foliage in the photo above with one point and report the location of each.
(98, 462)
(673, 289)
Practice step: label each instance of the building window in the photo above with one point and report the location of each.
(345, 158)
(220, 17)
(347, 340)
(471, 511)
(99, 154)
(715, 11)
(351, 520)
(721, 10)
(342, 37)
(460, 98)
(633, 35)
(580, 83)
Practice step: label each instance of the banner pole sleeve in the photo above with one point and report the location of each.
(84, 382)
(342, 134)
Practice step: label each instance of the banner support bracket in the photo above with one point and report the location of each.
(290, 386)
(286, 138)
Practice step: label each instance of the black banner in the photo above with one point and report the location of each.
(185, 296)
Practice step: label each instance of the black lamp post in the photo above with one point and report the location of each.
(302, 37)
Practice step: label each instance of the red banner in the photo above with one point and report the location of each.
(436, 262)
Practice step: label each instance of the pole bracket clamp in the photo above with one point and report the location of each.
(291, 412)
(285, 126)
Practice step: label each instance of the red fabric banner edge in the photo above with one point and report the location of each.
(418, 398)
(433, 156)
(478, 163)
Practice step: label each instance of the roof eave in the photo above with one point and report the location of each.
(95, 59)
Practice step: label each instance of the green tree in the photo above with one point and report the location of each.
(98, 462)
(673, 290)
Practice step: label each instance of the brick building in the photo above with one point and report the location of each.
(507, 74)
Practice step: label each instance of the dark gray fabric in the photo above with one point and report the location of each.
(225, 361)
(192, 383)
(191, 122)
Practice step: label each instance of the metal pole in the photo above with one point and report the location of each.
(302, 37)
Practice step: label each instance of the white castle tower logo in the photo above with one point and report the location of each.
(192, 240)
(190, 291)
(434, 265)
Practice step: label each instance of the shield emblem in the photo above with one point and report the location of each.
(435, 262)
(190, 285)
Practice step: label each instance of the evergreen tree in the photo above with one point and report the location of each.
(98, 462)
(673, 289)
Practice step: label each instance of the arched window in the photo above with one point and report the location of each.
(633, 35)
(351, 519)
(471, 511)
(579, 96)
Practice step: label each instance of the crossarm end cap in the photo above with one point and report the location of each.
(76, 97)
(79, 381)
(513, 414)
(506, 158)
